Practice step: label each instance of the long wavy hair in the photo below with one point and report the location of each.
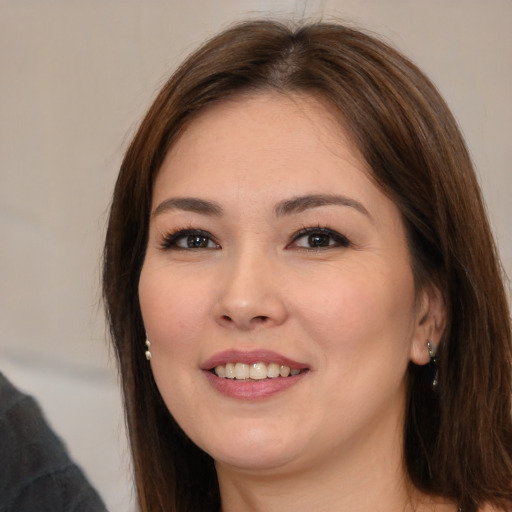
(457, 440)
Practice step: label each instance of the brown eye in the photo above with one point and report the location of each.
(196, 242)
(319, 238)
(190, 239)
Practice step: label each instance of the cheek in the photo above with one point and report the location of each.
(173, 314)
(173, 311)
(359, 311)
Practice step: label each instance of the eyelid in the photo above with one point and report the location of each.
(341, 240)
(169, 239)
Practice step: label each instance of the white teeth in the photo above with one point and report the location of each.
(220, 371)
(284, 371)
(258, 371)
(254, 371)
(241, 371)
(273, 370)
(230, 371)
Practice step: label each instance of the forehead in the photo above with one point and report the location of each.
(259, 136)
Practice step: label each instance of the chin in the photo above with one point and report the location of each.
(269, 461)
(256, 450)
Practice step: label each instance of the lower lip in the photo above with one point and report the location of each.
(252, 389)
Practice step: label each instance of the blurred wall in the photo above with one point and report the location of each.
(76, 77)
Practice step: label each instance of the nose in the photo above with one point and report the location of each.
(250, 295)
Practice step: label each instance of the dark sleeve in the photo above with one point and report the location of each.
(36, 473)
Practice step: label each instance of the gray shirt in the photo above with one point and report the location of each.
(36, 472)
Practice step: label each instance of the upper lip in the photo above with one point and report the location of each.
(249, 357)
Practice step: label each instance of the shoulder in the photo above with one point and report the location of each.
(9, 396)
(36, 472)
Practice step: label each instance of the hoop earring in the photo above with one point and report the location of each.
(433, 364)
(148, 353)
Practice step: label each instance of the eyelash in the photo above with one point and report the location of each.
(171, 240)
(339, 239)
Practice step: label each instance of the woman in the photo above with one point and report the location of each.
(303, 291)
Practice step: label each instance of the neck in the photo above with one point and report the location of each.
(315, 491)
(359, 479)
(324, 492)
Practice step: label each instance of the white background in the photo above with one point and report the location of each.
(75, 79)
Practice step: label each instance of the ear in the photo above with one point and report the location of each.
(430, 323)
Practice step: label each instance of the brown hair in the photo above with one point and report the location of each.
(458, 441)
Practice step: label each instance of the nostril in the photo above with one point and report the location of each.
(260, 319)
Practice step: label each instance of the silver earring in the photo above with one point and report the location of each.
(148, 353)
(433, 364)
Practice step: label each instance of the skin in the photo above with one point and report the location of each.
(347, 310)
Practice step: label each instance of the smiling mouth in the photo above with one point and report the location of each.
(255, 371)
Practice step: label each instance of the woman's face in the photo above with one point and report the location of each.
(271, 252)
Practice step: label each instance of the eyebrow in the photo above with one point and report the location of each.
(287, 207)
(301, 203)
(189, 204)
